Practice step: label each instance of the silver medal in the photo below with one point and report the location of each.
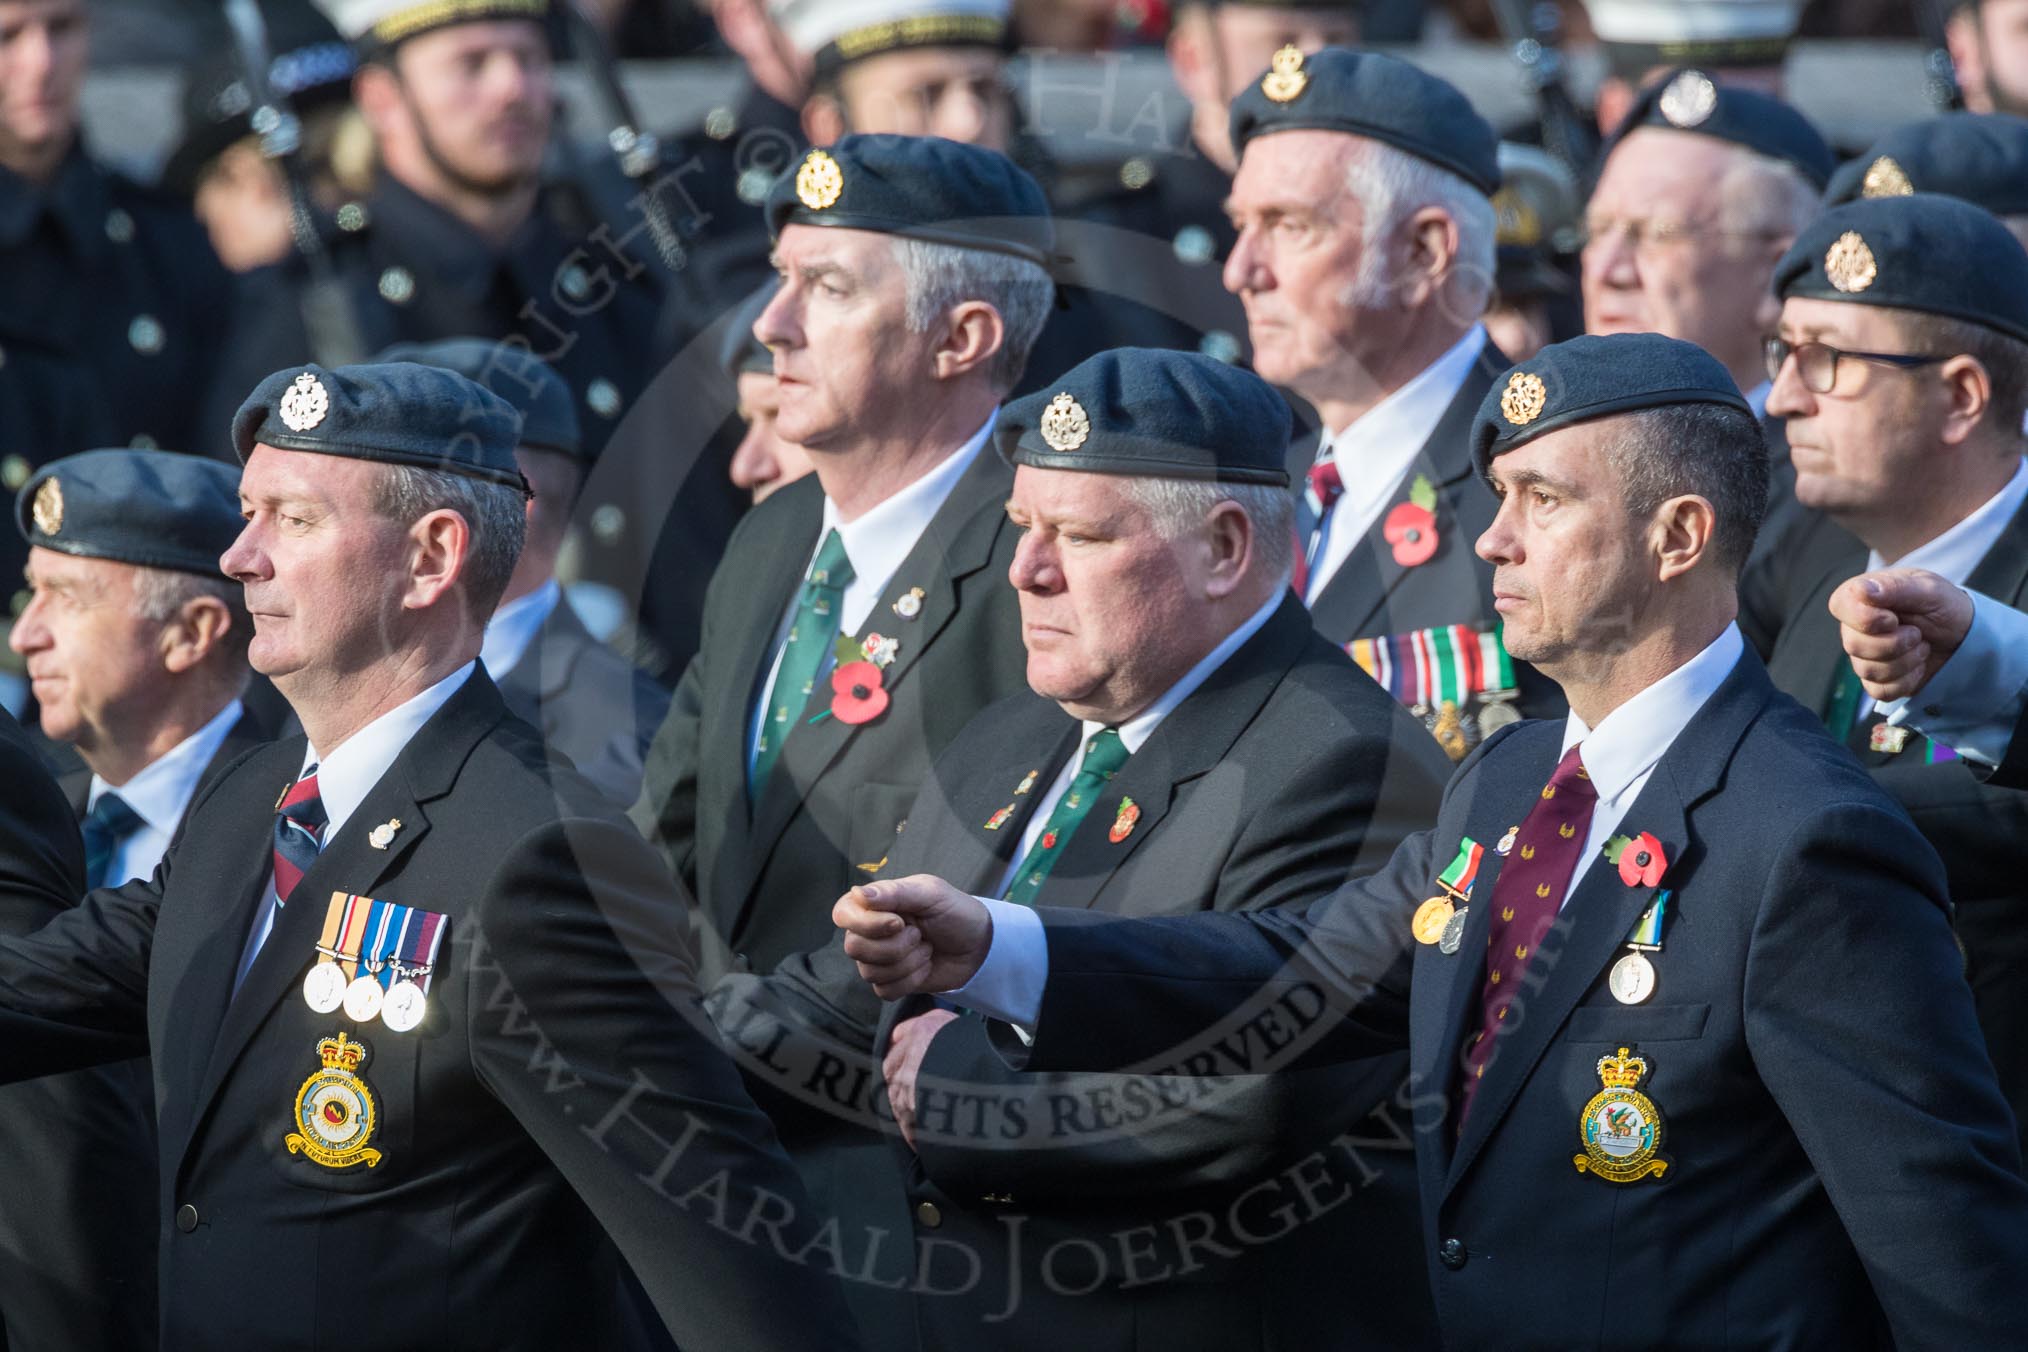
(1632, 979)
(363, 999)
(404, 1006)
(324, 987)
(1454, 931)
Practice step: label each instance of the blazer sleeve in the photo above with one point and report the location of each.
(1333, 815)
(678, 1165)
(1860, 1023)
(666, 812)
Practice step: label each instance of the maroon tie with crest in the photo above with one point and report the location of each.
(1526, 898)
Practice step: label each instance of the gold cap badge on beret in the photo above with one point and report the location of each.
(1885, 178)
(1689, 99)
(1521, 402)
(1064, 424)
(1285, 80)
(1849, 264)
(819, 181)
(48, 507)
(305, 403)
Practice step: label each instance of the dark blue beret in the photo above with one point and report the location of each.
(1689, 100)
(1923, 252)
(1981, 157)
(548, 413)
(397, 413)
(157, 509)
(923, 187)
(1154, 413)
(1596, 377)
(1378, 97)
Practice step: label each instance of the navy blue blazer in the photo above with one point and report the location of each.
(1842, 1165)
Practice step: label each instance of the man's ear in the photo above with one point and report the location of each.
(440, 545)
(973, 336)
(1683, 531)
(194, 632)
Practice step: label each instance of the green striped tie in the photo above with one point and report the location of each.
(812, 637)
(1104, 754)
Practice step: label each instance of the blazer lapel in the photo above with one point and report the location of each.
(425, 770)
(1038, 747)
(1353, 601)
(957, 543)
(2003, 573)
(1602, 911)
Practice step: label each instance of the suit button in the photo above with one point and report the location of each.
(927, 1213)
(1453, 1254)
(186, 1218)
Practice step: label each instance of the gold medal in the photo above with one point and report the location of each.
(1621, 1128)
(335, 1113)
(1430, 919)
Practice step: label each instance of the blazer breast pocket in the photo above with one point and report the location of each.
(346, 1123)
(1633, 1025)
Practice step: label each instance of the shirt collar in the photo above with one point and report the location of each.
(1395, 429)
(347, 775)
(514, 626)
(879, 540)
(1135, 732)
(1629, 741)
(1756, 398)
(1954, 554)
(161, 791)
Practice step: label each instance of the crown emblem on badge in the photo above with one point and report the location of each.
(48, 506)
(1285, 80)
(341, 1053)
(1621, 1071)
(1522, 401)
(1689, 100)
(819, 181)
(1885, 178)
(305, 403)
(1849, 264)
(1064, 424)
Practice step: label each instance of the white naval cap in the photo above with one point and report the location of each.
(836, 32)
(1696, 32)
(375, 25)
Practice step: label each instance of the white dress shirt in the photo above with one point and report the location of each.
(159, 794)
(1756, 398)
(348, 774)
(1974, 702)
(876, 544)
(1374, 453)
(1620, 755)
(1959, 550)
(514, 627)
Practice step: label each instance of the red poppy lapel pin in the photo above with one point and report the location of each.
(1640, 859)
(1411, 526)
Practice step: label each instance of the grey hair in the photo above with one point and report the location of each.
(1760, 192)
(161, 593)
(1713, 451)
(495, 514)
(1391, 185)
(941, 277)
(1179, 506)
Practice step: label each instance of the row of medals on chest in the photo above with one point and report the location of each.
(400, 1006)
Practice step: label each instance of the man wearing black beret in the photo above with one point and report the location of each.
(426, 1061)
(1980, 157)
(1902, 371)
(1681, 989)
(589, 702)
(135, 644)
(1365, 257)
(1186, 743)
(912, 290)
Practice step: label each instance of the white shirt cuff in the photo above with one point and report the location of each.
(1975, 699)
(1008, 985)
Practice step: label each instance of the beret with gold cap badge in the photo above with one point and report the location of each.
(1981, 157)
(1152, 413)
(156, 509)
(1923, 252)
(1374, 96)
(1596, 376)
(395, 413)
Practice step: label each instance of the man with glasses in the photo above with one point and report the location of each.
(1901, 369)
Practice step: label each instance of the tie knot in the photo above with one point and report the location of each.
(1104, 754)
(302, 805)
(1325, 485)
(114, 815)
(1571, 778)
(832, 567)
